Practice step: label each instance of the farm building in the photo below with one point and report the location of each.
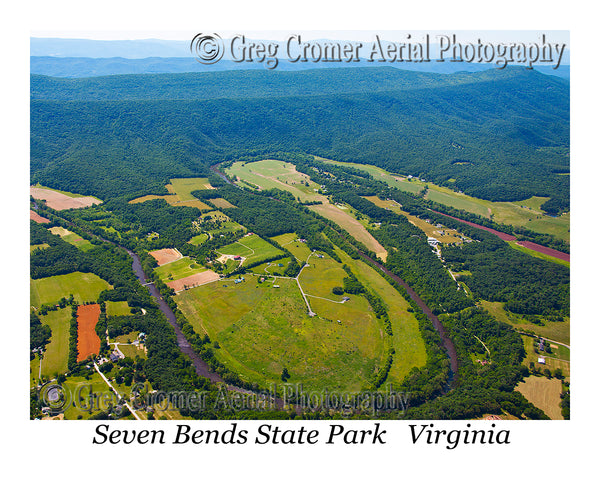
(432, 241)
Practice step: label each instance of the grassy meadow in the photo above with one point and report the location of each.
(85, 287)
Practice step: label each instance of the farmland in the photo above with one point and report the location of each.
(525, 213)
(180, 193)
(61, 200)
(85, 287)
(88, 342)
(57, 351)
(352, 226)
(441, 234)
(184, 267)
(261, 329)
(72, 238)
(544, 393)
(267, 174)
(253, 248)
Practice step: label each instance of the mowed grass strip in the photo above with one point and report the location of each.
(352, 226)
(407, 340)
(85, 287)
(57, 351)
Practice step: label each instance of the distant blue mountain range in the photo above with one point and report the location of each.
(79, 58)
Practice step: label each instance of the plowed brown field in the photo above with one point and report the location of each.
(88, 341)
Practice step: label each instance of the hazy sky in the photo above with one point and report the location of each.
(493, 36)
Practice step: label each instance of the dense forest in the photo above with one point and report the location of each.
(499, 134)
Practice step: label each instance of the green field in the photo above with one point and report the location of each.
(261, 329)
(78, 390)
(133, 351)
(41, 246)
(290, 242)
(184, 267)
(199, 239)
(117, 308)
(72, 238)
(57, 351)
(85, 287)
(253, 248)
(543, 256)
(268, 174)
(180, 193)
(277, 267)
(183, 187)
(559, 331)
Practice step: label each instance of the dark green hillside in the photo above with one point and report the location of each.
(501, 134)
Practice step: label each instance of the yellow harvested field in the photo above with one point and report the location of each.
(180, 193)
(60, 201)
(221, 203)
(352, 226)
(544, 393)
(195, 280)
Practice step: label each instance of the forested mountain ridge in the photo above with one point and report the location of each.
(498, 134)
(263, 83)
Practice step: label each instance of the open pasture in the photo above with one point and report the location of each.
(85, 287)
(261, 329)
(252, 248)
(268, 174)
(57, 351)
(184, 267)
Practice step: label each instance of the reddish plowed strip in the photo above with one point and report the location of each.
(88, 341)
(504, 236)
(37, 218)
(508, 238)
(545, 250)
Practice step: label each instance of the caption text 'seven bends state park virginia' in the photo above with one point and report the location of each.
(324, 243)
